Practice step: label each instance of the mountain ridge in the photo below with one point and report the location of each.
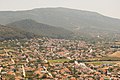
(41, 29)
(77, 21)
(59, 8)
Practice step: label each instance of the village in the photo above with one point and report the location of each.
(58, 59)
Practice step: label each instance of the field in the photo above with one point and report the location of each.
(116, 54)
(103, 62)
(58, 61)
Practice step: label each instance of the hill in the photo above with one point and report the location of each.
(41, 29)
(13, 33)
(63, 17)
(82, 23)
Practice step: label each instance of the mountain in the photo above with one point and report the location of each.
(63, 17)
(82, 23)
(41, 29)
(13, 33)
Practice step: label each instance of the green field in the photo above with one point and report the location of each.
(1, 51)
(103, 62)
(59, 61)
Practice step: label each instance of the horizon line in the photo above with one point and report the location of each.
(57, 7)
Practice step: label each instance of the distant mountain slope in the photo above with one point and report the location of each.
(63, 17)
(32, 26)
(12, 33)
(83, 23)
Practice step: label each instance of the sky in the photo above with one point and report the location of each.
(106, 7)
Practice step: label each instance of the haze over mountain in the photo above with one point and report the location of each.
(41, 29)
(63, 17)
(80, 22)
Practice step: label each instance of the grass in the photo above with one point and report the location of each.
(1, 51)
(102, 62)
(106, 58)
(110, 58)
(59, 61)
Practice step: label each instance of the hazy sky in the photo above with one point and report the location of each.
(106, 7)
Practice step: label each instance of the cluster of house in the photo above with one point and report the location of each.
(32, 60)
